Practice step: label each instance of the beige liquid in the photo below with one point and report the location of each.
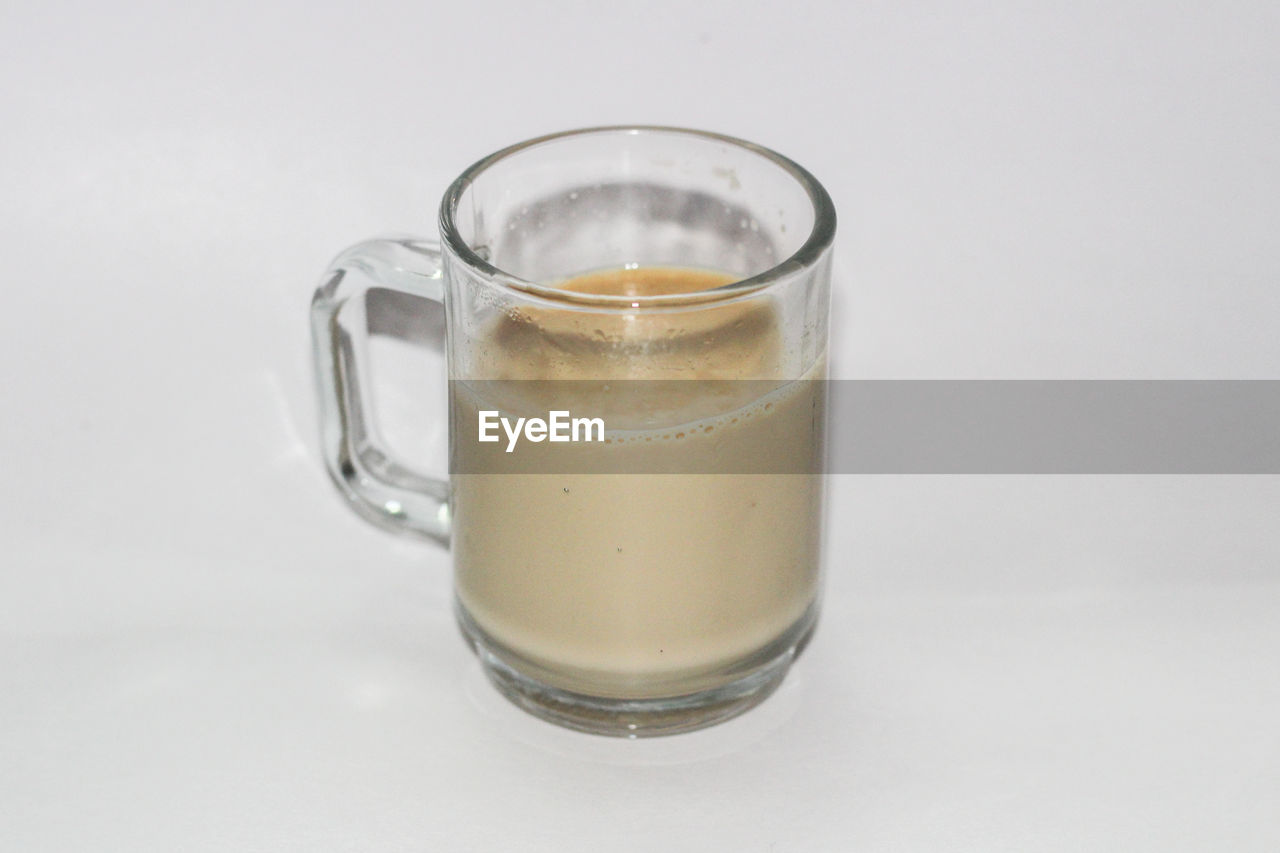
(637, 585)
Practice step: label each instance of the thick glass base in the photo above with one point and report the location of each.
(749, 683)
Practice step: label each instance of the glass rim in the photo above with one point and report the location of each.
(819, 239)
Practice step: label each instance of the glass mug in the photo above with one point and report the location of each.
(671, 586)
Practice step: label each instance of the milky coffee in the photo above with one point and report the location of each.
(636, 585)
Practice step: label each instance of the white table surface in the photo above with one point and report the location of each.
(202, 649)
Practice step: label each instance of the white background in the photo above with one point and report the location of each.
(202, 649)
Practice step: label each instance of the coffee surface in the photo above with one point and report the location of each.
(722, 340)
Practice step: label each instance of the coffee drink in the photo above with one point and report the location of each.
(635, 493)
(626, 583)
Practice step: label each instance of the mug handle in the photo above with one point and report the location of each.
(380, 488)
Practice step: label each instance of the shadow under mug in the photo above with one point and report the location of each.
(670, 586)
